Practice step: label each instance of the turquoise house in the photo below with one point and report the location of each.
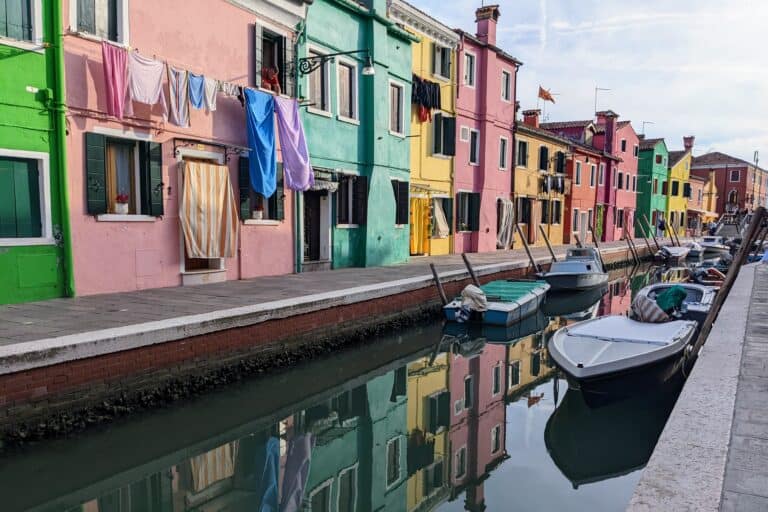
(356, 113)
(651, 184)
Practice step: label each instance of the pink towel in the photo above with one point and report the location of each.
(145, 82)
(115, 61)
(296, 165)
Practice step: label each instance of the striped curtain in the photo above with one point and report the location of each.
(208, 211)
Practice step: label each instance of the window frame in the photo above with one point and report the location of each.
(123, 23)
(556, 220)
(401, 121)
(318, 489)
(471, 396)
(325, 75)
(463, 452)
(496, 386)
(354, 85)
(473, 131)
(44, 181)
(546, 160)
(519, 153)
(465, 78)
(623, 145)
(350, 202)
(620, 180)
(397, 439)
(518, 364)
(506, 86)
(575, 221)
(636, 151)
(36, 20)
(496, 439)
(592, 175)
(354, 467)
(738, 176)
(438, 63)
(503, 144)
(655, 186)
(601, 174)
(634, 183)
(577, 174)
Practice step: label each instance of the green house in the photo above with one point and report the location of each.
(33, 215)
(356, 113)
(651, 184)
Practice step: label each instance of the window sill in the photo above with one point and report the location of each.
(29, 46)
(474, 164)
(203, 271)
(441, 156)
(441, 78)
(503, 169)
(319, 112)
(13, 242)
(400, 226)
(347, 226)
(349, 120)
(261, 222)
(397, 134)
(113, 217)
(97, 39)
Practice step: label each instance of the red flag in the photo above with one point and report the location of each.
(546, 95)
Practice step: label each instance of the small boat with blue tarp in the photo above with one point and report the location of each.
(498, 302)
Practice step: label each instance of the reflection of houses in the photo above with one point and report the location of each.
(618, 300)
(527, 362)
(429, 418)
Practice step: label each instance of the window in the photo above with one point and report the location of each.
(271, 208)
(347, 83)
(592, 175)
(441, 63)
(524, 205)
(439, 411)
(575, 222)
(664, 187)
(433, 477)
(464, 134)
(560, 162)
(621, 180)
(543, 158)
(513, 373)
(469, 69)
(348, 490)
(557, 209)
(351, 199)
(701, 195)
(522, 153)
(675, 188)
(634, 183)
(544, 211)
(735, 176)
(615, 177)
(619, 217)
(272, 52)
(24, 192)
(655, 185)
(496, 381)
(396, 109)
(474, 147)
(123, 176)
(601, 175)
(319, 87)
(687, 190)
(320, 498)
(16, 19)
(469, 398)
(468, 211)
(393, 461)
(101, 18)
(658, 159)
(442, 207)
(461, 462)
(503, 153)
(590, 218)
(577, 174)
(627, 183)
(623, 145)
(444, 135)
(506, 86)
(636, 151)
(401, 189)
(496, 439)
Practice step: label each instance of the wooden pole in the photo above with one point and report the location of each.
(669, 232)
(470, 269)
(653, 232)
(578, 240)
(648, 244)
(440, 290)
(631, 249)
(546, 240)
(730, 278)
(535, 265)
(597, 246)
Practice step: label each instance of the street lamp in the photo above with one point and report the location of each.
(308, 64)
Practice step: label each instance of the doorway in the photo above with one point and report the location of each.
(583, 226)
(317, 230)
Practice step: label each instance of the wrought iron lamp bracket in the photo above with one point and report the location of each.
(309, 64)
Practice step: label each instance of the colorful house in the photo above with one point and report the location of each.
(699, 216)
(35, 243)
(627, 149)
(539, 181)
(485, 116)
(652, 179)
(356, 93)
(128, 177)
(678, 189)
(433, 130)
(739, 184)
(586, 171)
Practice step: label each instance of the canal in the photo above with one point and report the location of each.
(432, 418)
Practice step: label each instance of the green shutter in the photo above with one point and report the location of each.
(289, 68)
(27, 192)
(279, 195)
(86, 16)
(402, 203)
(444, 409)
(95, 173)
(474, 211)
(7, 199)
(155, 179)
(437, 142)
(360, 200)
(448, 209)
(460, 213)
(257, 50)
(244, 185)
(449, 136)
(435, 56)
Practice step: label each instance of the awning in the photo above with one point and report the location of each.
(330, 186)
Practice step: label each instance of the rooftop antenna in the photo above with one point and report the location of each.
(598, 89)
(645, 123)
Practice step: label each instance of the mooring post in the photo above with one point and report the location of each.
(597, 246)
(440, 290)
(653, 232)
(578, 241)
(546, 241)
(535, 265)
(631, 249)
(648, 244)
(470, 269)
(669, 232)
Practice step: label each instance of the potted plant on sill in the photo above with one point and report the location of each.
(121, 204)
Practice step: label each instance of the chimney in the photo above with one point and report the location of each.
(607, 119)
(531, 117)
(688, 142)
(486, 18)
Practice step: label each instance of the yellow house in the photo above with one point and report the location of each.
(428, 424)
(678, 188)
(710, 197)
(527, 360)
(433, 135)
(539, 181)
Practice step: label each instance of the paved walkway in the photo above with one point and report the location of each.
(66, 317)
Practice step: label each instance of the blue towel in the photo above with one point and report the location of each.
(270, 476)
(260, 117)
(196, 90)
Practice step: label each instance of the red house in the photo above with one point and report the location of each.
(740, 184)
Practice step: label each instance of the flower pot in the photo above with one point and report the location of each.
(257, 215)
(121, 208)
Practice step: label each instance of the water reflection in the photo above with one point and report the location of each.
(436, 418)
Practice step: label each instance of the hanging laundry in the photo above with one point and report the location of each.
(260, 120)
(115, 62)
(211, 91)
(426, 94)
(234, 91)
(297, 467)
(145, 82)
(179, 88)
(196, 91)
(296, 166)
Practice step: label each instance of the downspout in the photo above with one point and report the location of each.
(59, 108)
(298, 251)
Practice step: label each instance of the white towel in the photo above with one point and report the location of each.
(211, 90)
(145, 82)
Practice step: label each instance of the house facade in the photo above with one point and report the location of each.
(740, 185)
(651, 182)
(432, 130)
(35, 243)
(485, 116)
(627, 149)
(539, 181)
(699, 216)
(678, 187)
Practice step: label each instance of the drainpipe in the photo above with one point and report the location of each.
(513, 163)
(59, 108)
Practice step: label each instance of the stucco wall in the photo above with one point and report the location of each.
(626, 198)
(678, 172)
(647, 200)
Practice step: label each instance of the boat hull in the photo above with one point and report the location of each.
(561, 281)
(498, 313)
(716, 251)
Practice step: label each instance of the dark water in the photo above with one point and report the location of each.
(434, 418)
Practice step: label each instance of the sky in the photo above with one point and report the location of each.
(690, 67)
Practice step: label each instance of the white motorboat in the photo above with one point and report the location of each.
(714, 246)
(581, 270)
(616, 355)
(696, 304)
(695, 250)
(673, 253)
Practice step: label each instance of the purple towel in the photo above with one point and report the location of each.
(296, 165)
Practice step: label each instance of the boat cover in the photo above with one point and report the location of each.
(474, 298)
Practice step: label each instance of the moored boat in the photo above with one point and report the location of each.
(695, 250)
(714, 246)
(581, 270)
(673, 253)
(696, 304)
(502, 302)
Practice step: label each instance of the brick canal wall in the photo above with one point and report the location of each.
(55, 398)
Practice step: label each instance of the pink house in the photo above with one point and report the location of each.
(139, 243)
(485, 112)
